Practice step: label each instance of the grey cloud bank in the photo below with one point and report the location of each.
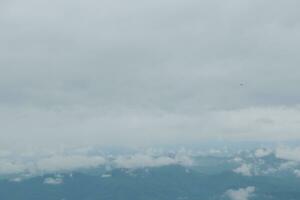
(140, 73)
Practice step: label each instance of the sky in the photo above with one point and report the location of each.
(142, 73)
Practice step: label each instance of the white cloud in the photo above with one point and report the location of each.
(10, 167)
(139, 160)
(262, 152)
(244, 169)
(53, 181)
(16, 179)
(70, 160)
(237, 159)
(145, 160)
(240, 194)
(287, 165)
(106, 175)
(288, 153)
(297, 172)
(48, 163)
(68, 163)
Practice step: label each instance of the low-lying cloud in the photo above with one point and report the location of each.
(77, 160)
(244, 169)
(288, 153)
(240, 194)
(144, 160)
(53, 180)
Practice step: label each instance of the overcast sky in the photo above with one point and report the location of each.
(132, 72)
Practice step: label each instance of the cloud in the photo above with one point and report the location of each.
(155, 158)
(288, 165)
(49, 164)
(288, 153)
(53, 181)
(16, 179)
(144, 160)
(240, 194)
(237, 159)
(297, 172)
(10, 167)
(76, 159)
(69, 163)
(112, 73)
(79, 126)
(106, 175)
(244, 169)
(258, 164)
(260, 153)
